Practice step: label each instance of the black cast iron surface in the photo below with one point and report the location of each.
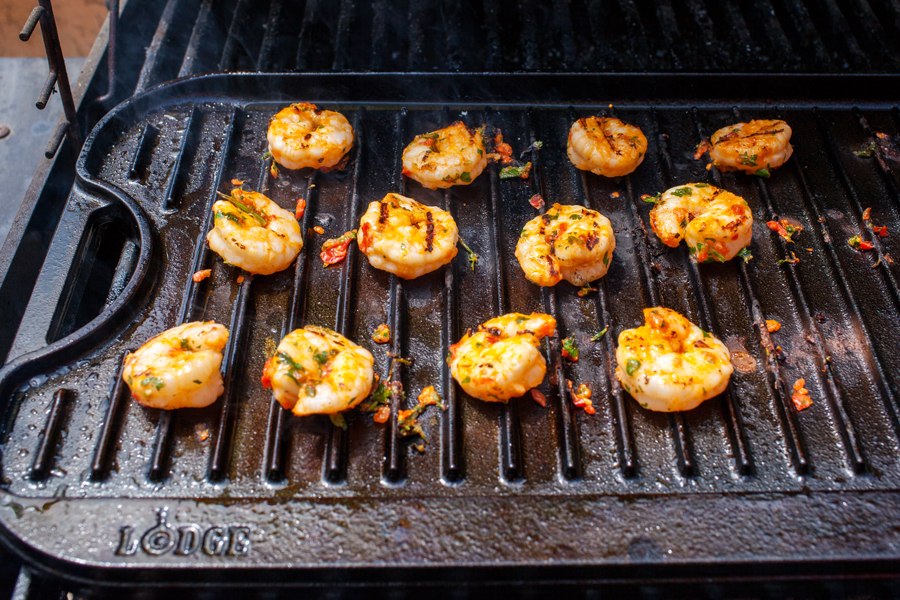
(743, 481)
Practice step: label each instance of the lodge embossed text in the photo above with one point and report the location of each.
(183, 540)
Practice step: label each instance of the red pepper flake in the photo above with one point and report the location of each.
(880, 231)
(319, 230)
(237, 182)
(702, 148)
(266, 379)
(301, 208)
(382, 334)
(382, 414)
(859, 244)
(240, 279)
(581, 397)
(772, 325)
(537, 201)
(201, 275)
(273, 171)
(335, 250)
(867, 213)
(585, 290)
(801, 395)
(785, 229)
(539, 397)
(204, 435)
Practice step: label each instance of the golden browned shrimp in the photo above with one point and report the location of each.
(756, 147)
(606, 146)
(254, 233)
(715, 224)
(450, 156)
(303, 135)
(567, 242)
(318, 371)
(179, 367)
(406, 238)
(670, 364)
(502, 359)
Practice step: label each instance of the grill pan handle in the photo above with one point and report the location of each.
(98, 216)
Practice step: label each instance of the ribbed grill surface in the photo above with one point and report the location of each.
(838, 311)
(196, 36)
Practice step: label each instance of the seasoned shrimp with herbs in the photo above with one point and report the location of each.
(502, 358)
(303, 135)
(450, 156)
(567, 242)
(254, 233)
(606, 146)
(178, 368)
(716, 224)
(756, 147)
(318, 371)
(669, 364)
(406, 238)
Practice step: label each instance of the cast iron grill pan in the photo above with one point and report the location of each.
(744, 479)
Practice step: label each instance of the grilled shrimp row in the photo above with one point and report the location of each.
(303, 135)
(669, 364)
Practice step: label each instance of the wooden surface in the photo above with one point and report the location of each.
(78, 22)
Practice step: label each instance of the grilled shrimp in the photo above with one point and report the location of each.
(567, 242)
(670, 364)
(715, 224)
(254, 233)
(502, 359)
(318, 371)
(178, 368)
(606, 146)
(450, 156)
(303, 135)
(755, 147)
(406, 238)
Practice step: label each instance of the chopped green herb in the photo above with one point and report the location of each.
(714, 256)
(597, 337)
(256, 216)
(762, 173)
(321, 357)
(748, 159)
(154, 381)
(570, 349)
(575, 217)
(869, 152)
(311, 390)
(632, 365)
(198, 382)
(745, 254)
(465, 177)
(682, 192)
(338, 420)
(651, 199)
(473, 258)
(229, 216)
(701, 185)
(606, 258)
(512, 172)
(185, 344)
(706, 334)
